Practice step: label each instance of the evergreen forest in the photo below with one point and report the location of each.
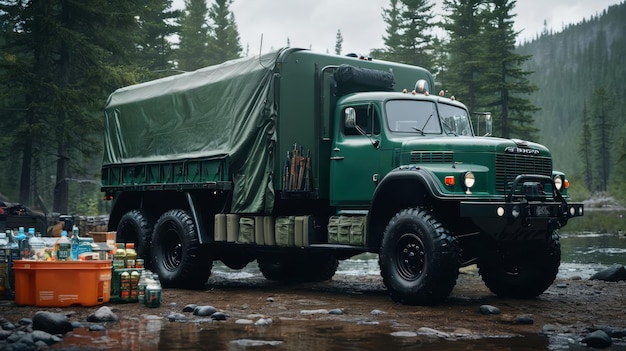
(59, 61)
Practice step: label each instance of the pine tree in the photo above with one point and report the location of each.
(157, 25)
(392, 39)
(603, 136)
(408, 37)
(503, 83)
(338, 42)
(224, 36)
(465, 47)
(194, 49)
(585, 148)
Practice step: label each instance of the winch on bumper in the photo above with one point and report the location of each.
(527, 212)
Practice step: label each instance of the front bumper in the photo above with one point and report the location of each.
(520, 217)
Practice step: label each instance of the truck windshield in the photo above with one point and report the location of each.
(455, 120)
(411, 116)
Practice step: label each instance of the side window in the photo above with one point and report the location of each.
(367, 118)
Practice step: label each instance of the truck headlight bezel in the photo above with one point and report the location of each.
(558, 182)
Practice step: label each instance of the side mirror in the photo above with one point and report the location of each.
(488, 123)
(350, 117)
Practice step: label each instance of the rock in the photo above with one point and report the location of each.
(97, 327)
(4, 334)
(103, 314)
(311, 312)
(25, 321)
(175, 317)
(377, 312)
(432, 332)
(204, 311)
(526, 320)
(270, 299)
(24, 343)
(404, 334)
(249, 343)
(190, 308)
(77, 324)
(263, 322)
(219, 316)
(576, 277)
(488, 309)
(336, 311)
(561, 286)
(598, 339)
(47, 338)
(53, 323)
(614, 273)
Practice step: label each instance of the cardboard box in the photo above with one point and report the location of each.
(62, 283)
(102, 237)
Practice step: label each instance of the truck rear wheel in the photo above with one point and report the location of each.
(136, 227)
(299, 269)
(419, 259)
(522, 272)
(178, 257)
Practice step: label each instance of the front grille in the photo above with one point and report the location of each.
(510, 166)
(431, 157)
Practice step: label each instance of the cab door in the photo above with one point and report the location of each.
(354, 156)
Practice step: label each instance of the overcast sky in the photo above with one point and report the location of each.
(314, 24)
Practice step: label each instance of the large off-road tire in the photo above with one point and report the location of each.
(178, 257)
(419, 259)
(136, 226)
(523, 271)
(299, 269)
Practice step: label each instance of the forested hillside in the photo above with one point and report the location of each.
(581, 74)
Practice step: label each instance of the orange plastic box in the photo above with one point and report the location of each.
(61, 284)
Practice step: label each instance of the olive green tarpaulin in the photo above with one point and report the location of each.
(227, 109)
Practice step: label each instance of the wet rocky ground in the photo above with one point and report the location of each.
(568, 312)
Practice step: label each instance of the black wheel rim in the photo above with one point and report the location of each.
(410, 260)
(172, 247)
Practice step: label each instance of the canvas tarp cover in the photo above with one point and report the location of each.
(227, 109)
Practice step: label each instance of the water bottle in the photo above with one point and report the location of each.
(64, 248)
(75, 242)
(37, 246)
(22, 243)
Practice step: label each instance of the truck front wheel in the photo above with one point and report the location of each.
(178, 257)
(524, 271)
(419, 259)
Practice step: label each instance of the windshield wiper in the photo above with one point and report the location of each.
(449, 130)
(424, 127)
(418, 130)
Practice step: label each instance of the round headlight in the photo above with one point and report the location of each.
(469, 179)
(558, 182)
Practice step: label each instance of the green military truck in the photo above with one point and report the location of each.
(297, 160)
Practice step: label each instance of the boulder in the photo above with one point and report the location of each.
(614, 273)
(53, 323)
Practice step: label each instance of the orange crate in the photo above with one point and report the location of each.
(102, 237)
(61, 284)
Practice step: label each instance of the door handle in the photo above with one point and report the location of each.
(336, 158)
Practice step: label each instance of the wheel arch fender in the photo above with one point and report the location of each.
(399, 189)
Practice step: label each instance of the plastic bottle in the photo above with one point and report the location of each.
(144, 279)
(63, 248)
(131, 255)
(75, 242)
(4, 264)
(22, 243)
(37, 246)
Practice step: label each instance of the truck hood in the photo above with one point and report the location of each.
(464, 145)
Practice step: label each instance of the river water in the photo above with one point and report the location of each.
(582, 255)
